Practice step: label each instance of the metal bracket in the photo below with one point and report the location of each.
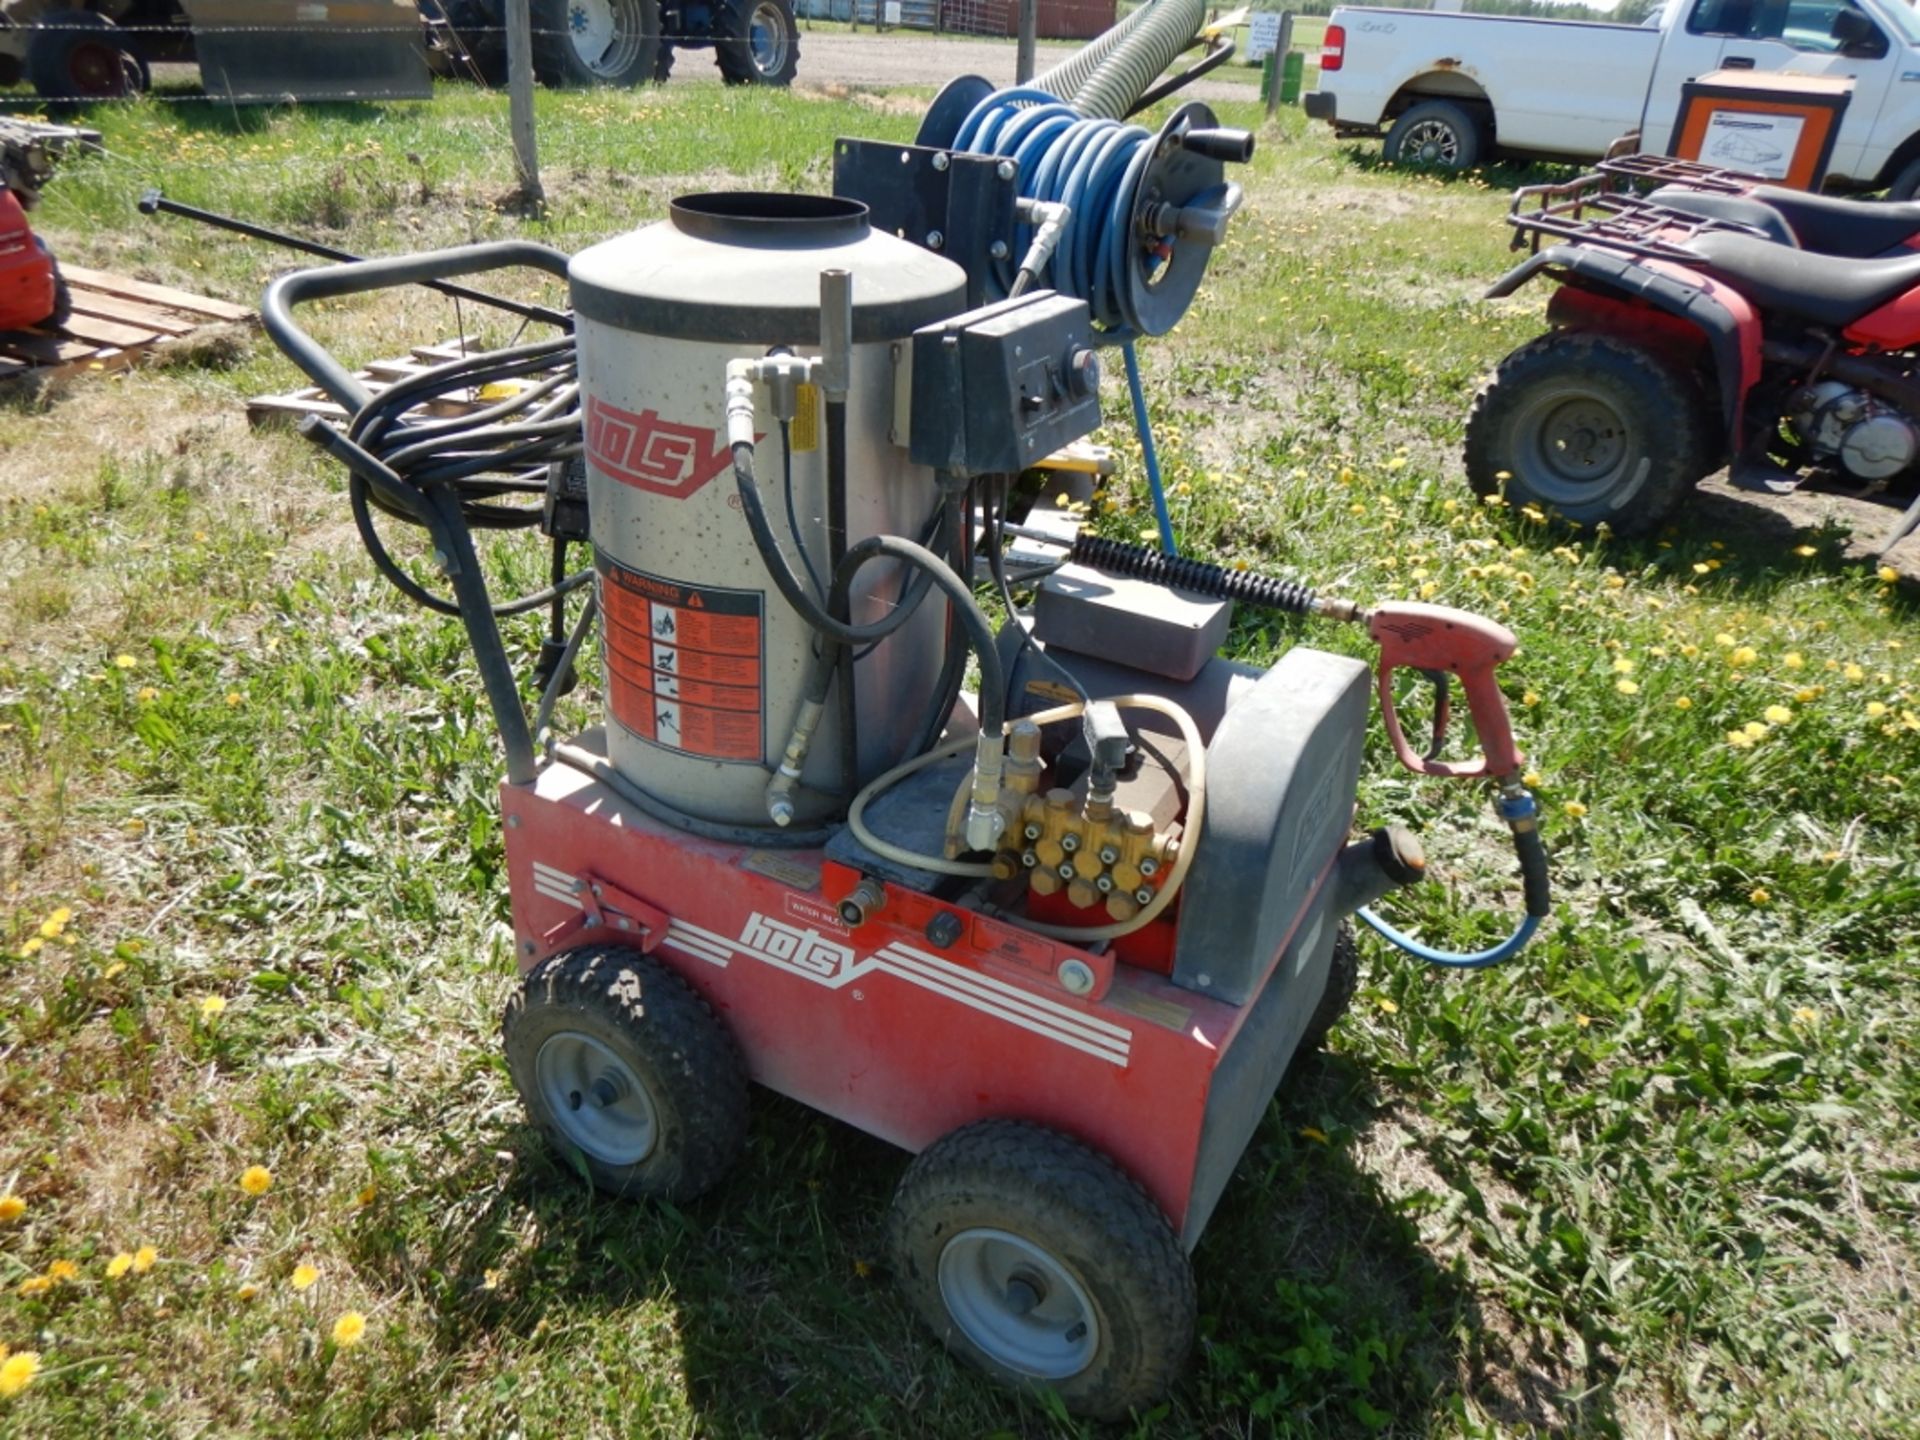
(957, 205)
(605, 906)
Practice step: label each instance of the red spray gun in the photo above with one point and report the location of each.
(1433, 639)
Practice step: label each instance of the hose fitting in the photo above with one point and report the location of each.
(787, 775)
(985, 823)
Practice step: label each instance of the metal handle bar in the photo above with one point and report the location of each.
(330, 281)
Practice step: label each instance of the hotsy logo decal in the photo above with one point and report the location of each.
(652, 454)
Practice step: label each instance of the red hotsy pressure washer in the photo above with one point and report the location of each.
(27, 279)
(1060, 933)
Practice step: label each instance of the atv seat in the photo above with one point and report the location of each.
(1825, 289)
(1821, 223)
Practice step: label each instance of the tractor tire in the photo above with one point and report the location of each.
(663, 63)
(628, 1072)
(1437, 134)
(756, 42)
(1040, 1262)
(1592, 429)
(583, 43)
(78, 55)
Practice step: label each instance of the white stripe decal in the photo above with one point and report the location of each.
(828, 963)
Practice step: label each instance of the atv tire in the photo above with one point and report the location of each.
(756, 42)
(1592, 429)
(578, 44)
(78, 55)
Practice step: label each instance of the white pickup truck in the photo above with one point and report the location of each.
(1452, 89)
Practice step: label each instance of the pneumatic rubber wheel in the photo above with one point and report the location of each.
(1437, 134)
(1343, 981)
(756, 42)
(624, 1067)
(1040, 1262)
(78, 55)
(1906, 184)
(580, 43)
(1592, 429)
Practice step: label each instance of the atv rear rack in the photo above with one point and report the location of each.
(1592, 211)
(1667, 170)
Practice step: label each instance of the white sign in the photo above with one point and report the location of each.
(1757, 144)
(893, 12)
(1263, 35)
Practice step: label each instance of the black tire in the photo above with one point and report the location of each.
(1590, 428)
(1343, 981)
(62, 294)
(980, 1217)
(581, 43)
(78, 55)
(1907, 183)
(756, 42)
(1435, 133)
(610, 1028)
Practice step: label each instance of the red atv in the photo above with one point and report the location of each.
(1827, 224)
(29, 283)
(1683, 341)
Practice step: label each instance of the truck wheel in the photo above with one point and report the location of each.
(1037, 1260)
(1907, 183)
(1436, 133)
(578, 43)
(1343, 980)
(77, 55)
(756, 42)
(1591, 428)
(625, 1068)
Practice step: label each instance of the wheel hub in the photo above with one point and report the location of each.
(596, 1099)
(1022, 1307)
(1434, 143)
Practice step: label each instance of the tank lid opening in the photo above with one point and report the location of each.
(752, 217)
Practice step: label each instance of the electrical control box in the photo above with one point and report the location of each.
(1000, 388)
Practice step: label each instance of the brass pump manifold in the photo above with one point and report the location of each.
(1094, 850)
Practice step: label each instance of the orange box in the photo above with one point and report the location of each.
(1767, 123)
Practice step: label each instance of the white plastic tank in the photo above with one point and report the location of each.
(704, 659)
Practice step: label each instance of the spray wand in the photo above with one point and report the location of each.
(1434, 639)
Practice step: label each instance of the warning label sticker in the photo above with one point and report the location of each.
(684, 663)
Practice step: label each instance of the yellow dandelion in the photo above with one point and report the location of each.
(146, 694)
(1793, 660)
(1805, 552)
(1530, 698)
(12, 1207)
(119, 1265)
(1778, 714)
(1875, 709)
(35, 1285)
(1724, 640)
(1531, 779)
(1313, 1133)
(1888, 574)
(1583, 1021)
(1574, 810)
(1806, 1014)
(1626, 687)
(124, 662)
(55, 925)
(303, 1277)
(1759, 895)
(1853, 672)
(62, 1271)
(491, 1280)
(1387, 1006)
(17, 1372)
(348, 1329)
(248, 1291)
(1614, 582)
(234, 697)
(1739, 739)
(1622, 665)
(143, 1259)
(211, 1007)
(862, 1269)
(1683, 702)
(256, 1180)
(1743, 655)
(33, 946)
(366, 1196)
(1755, 729)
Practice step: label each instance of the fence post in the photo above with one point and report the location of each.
(526, 160)
(1029, 24)
(1279, 60)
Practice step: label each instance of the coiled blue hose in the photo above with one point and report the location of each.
(1093, 167)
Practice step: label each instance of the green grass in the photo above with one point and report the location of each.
(1660, 1171)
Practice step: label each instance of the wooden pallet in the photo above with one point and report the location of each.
(113, 321)
(377, 377)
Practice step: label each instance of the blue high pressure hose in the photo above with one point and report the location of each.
(1093, 167)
